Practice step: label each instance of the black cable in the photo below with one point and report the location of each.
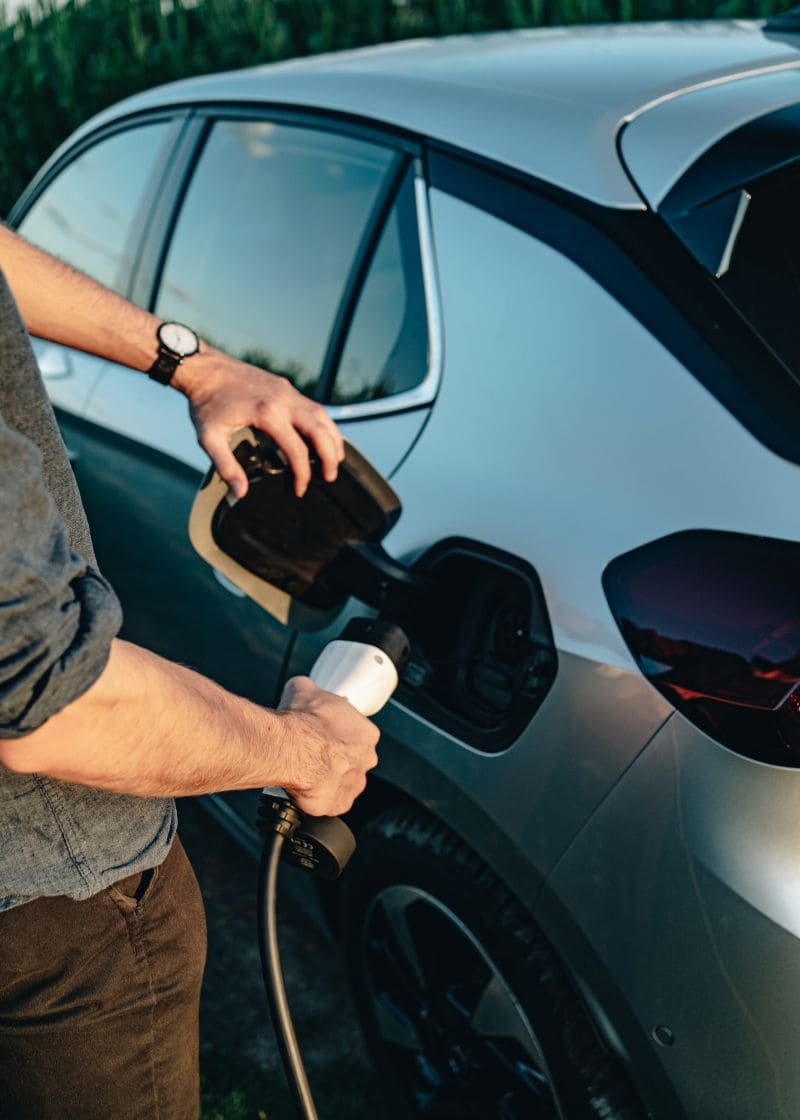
(273, 977)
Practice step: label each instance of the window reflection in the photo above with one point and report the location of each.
(85, 217)
(387, 347)
(266, 240)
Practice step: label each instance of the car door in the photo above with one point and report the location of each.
(295, 247)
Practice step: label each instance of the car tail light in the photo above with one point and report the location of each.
(713, 621)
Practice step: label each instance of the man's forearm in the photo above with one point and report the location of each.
(63, 305)
(153, 728)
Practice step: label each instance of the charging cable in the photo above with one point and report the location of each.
(363, 666)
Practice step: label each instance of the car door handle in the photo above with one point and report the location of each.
(54, 362)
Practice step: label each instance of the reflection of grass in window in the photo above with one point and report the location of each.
(354, 393)
(292, 370)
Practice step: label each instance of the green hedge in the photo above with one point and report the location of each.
(61, 63)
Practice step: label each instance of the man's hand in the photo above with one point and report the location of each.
(225, 394)
(330, 777)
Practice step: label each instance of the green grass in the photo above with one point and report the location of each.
(233, 1106)
(231, 1090)
(60, 63)
(237, 1093)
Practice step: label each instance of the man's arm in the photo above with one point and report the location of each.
(65, 306)
(152, 728)
(132, 722)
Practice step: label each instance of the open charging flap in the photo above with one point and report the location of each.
(301, 558)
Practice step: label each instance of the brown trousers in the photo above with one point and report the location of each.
(99, 1001)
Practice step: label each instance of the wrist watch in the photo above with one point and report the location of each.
(175, 343)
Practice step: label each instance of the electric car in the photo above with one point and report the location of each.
(547, 282)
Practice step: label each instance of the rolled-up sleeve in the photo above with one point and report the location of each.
(57, 613)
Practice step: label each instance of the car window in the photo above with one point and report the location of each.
(763, 274)
(746, 238)
(87, 214)
(734, 210)
(266, 240)
(386, 351)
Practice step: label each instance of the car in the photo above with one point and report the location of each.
(546, 282)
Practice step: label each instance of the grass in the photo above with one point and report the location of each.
(241, 1103)
(60, 62)
(233, 1106)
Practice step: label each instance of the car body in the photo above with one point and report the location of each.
(525, 273)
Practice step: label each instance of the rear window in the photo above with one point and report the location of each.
(763, 274)
(735, 211)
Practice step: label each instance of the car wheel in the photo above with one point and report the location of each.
(465, 1007)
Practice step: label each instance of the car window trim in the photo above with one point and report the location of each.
(181, 159)
(424, 394)
(204, 120)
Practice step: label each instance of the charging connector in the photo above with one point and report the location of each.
(320, 845)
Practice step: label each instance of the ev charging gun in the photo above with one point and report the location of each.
(363, 665)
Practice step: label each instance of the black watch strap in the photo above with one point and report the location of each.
(164, 366)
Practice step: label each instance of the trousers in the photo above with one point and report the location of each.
(99, 1001)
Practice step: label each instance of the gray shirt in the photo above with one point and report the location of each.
(57, 618)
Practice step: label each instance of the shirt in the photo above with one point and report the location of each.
(58, 616)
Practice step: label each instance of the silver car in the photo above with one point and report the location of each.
(548, 283)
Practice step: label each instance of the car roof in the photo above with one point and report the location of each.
(548, 102)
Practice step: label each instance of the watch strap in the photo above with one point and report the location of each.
(163, 368)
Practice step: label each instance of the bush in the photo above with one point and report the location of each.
(60, 63)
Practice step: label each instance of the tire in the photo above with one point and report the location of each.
(465, 1007)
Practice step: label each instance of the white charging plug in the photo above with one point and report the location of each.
(360, 672)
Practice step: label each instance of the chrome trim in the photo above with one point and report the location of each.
(745, 198)
(708, 83)
(425, 392)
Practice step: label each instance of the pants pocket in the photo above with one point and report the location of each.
(133, 891)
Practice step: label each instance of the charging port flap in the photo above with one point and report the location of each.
(299, 558)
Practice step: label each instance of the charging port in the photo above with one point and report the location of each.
(483, 654)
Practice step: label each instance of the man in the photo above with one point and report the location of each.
(102, 938)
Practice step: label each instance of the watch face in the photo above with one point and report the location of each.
(177, 338)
